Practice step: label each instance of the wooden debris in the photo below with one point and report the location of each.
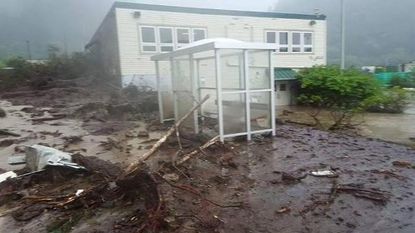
(200, 149)
(5, 132)
(405, 164)
(283, 210)
(163, 139)
(390, 174)
(358, 191)
(52, 118)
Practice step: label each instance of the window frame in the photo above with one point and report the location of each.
(161, 44)
(308, 46)
(143, 44)
(189, 36)
(275, 36)
(283, 45)
(157, 35)
(193, 33)
(300, 45)
(277, 40)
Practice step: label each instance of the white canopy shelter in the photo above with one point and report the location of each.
(238, 77)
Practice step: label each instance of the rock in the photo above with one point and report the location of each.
(7, 142)
(292, 178)
(172, 177)
(2, 113)
(143, 134)
(402, 164)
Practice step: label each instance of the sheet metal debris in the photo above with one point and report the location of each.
(38, 157)
(324, 173)
(7, 175)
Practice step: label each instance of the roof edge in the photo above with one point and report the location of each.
(141, 6)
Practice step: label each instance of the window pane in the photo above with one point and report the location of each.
(296, 49)
(308, 49)
(166, 48)
(149, 48)
(296, 38)
(284, 49)
(198, 34)
(260, 104)
(183, 36)
(283, 87)
(166, 35)
(308, 39)
(148, 35)
(271, 37)
(284, 38)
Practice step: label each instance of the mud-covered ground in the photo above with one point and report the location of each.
(261, 186)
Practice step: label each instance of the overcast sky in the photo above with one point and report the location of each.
(378, 31)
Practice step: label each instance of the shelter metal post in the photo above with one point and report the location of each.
(219, 94)
(247, 95)
(194, 93)
(160, 99)
(273, 89)
(174, 87)
(199, 91)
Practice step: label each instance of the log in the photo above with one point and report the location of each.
(8, 133)
(195, 152)
(163, 139)
(54, 117)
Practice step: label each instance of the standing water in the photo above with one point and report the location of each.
(398, 128)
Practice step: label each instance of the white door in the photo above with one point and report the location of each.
(282, 93)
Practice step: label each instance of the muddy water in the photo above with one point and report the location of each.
(308, 202)
(398, 128)
(127, 145)
(392, 127)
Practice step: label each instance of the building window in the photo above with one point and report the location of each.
(283, 42)
(198, 34)
(148, 39)
(271, 37)
(283, 87)
(296, 42)
(166, 39)
(308, 42)
(183, 36)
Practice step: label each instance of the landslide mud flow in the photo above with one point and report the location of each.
(262, 186)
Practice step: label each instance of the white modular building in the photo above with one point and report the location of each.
(131, 33)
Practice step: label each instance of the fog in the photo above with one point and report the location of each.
(378, 31)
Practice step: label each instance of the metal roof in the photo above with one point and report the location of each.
(284, 74)
(140, 6)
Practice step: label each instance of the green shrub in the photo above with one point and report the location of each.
(397, 81)
(392, 100)
(342, 93)
(58, 66)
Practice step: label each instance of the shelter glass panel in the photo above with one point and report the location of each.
(232, 69)
(234, 113)
(260, 109)
(259, 70)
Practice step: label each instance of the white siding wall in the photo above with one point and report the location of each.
(236, 27)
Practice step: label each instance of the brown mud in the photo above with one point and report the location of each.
(261, 186)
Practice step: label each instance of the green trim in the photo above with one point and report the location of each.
(140, 6)
(284, 74)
